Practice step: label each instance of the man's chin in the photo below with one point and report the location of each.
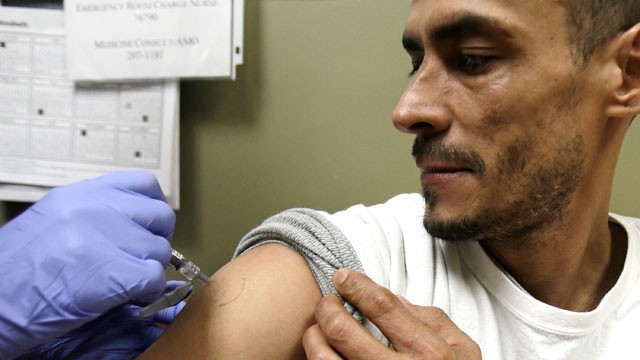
(462, 229)
(449, 222)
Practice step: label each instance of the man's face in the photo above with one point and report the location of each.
(505, 122)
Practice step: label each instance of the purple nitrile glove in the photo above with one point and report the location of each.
(82, 250)
(119, 334)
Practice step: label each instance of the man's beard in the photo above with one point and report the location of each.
(538, 192)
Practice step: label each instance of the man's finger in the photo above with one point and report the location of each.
(437, 320)
(346, 335)
(384, 309)
(315, 345)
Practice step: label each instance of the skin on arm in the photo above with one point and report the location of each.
(257, 307)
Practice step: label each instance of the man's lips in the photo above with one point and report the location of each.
(437, 173)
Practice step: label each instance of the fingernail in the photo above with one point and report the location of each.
(340, 276)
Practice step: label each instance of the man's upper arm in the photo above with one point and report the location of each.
(257, 307)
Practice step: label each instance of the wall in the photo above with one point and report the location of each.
(626, 193)
(306, 124)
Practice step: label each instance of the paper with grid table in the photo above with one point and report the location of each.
(54, 131)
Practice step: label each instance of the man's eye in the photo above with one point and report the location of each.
(472, 64)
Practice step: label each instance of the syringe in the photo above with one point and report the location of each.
(187, 268)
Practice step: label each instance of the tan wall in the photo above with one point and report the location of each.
(307, 123)
(626, 187)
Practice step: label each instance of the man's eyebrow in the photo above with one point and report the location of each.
(463, 25)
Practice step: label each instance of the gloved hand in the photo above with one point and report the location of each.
(80, 251)
(119, 334)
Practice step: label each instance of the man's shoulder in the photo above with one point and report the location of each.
(385, 222)
(626, 221)
(400, 206)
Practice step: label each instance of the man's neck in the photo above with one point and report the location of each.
(568, 267)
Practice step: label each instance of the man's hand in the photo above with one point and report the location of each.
(415, 332)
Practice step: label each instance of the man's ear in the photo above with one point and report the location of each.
(626, 99)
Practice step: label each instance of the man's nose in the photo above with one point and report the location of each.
(424, 107)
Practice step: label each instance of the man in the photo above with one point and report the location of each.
(519, 109)
(71, 263)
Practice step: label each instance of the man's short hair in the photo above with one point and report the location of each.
(591, 23)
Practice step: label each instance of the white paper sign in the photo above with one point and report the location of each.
(142, 39)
